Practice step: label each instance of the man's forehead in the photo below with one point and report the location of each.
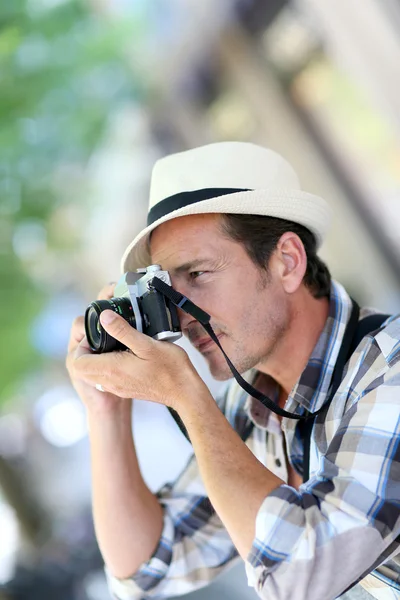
(189, 223)
(184, 242)
(188, 260)
(188, 229)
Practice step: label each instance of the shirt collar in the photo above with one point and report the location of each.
(311, 390)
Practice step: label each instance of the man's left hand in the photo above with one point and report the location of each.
(148, 370)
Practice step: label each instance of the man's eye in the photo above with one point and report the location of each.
(195, 274)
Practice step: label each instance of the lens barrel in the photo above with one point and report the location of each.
(99, 340)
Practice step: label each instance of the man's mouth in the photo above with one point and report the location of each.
(204, 344)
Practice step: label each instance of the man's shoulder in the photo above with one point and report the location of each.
(387, 338)
(375, 362)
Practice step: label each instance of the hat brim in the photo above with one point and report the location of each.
(304, 208)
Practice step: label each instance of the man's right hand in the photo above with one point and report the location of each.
(93, 399)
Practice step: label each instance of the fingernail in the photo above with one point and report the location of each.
(107, 317)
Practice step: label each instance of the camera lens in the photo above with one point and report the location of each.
(99, 340)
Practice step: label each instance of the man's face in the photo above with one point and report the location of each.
(248, 308)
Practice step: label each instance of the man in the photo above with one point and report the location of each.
(239, 238)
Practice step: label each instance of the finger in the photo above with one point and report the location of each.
(106, 369)
(107, 291)
(77, 333)
(76, 351)
(83, 348)
(118, 328)
(85, 366)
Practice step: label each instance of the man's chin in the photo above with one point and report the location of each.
(219, 376)
(220, 372)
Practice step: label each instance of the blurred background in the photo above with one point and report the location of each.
(92, 92)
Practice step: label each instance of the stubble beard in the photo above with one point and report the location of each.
(219, 369)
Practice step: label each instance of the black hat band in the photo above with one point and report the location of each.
(168, 205)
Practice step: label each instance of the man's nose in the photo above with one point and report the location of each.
(184, 317)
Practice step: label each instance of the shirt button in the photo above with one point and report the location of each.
(278, 462)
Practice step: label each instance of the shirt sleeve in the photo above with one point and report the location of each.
(193, 549)
(341, 524)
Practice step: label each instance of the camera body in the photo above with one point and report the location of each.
(142, 306)
(154, 314)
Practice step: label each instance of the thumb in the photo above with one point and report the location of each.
(118, 328)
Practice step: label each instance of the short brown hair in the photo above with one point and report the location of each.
(260, 235)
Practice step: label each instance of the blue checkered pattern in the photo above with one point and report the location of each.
(314, 542)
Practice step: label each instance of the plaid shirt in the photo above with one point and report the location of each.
(314, 542)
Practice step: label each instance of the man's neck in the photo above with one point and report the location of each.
(307, 321)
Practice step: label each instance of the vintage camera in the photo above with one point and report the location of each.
(143, 307)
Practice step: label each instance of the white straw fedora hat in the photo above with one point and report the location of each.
(226, 177)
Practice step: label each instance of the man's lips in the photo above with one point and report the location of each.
(203, 344)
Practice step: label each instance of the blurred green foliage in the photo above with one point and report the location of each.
(63, 70)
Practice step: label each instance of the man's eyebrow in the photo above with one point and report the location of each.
(192, 265)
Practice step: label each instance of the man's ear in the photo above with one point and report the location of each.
(292, 261)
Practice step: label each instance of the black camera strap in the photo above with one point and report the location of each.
(203, 318)
(354, 333)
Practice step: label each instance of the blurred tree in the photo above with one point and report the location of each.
(63, 69)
